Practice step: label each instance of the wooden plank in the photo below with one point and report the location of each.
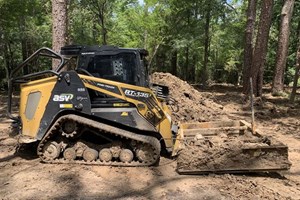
(213, 124)
(211, 131)
(249, 127)
(233, 170)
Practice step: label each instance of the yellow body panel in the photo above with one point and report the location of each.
(30, 126)
(164, 127)
(45, 86)
(119, 85)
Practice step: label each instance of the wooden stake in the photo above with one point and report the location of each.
(252, 107)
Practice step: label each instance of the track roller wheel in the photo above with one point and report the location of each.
(126, 155)
(105, 155)
(90, 154)
(70, 154)
(145, 153)
(51, 150)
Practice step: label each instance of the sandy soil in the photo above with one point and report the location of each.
(24, 177)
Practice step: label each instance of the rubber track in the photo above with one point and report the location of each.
(154, 142)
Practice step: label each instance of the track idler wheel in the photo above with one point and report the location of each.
(51, 150)
(70, 154)
(90, 154)
(145, 153)
(105, 155)
(69, 128)
(126, 155)
(115, 150)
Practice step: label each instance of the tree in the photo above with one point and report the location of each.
(59, 26)
(206, 42)
(174, 62)
(25, 28)
(102, 11)
(297, 71)
(248, 48)
(196, 40)
(261, 44)
(283, 43)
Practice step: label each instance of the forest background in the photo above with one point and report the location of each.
(200, 41)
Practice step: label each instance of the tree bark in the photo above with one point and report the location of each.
(248, 49)
(7, 63)
(102, 23)
(297, 71)
(186, 71)
(9, 58)
(155, 52)
(174, 62)
(192, 72)
(24, 38)
(261, 45)
(59, 27)
(204, 73)
(283, 44)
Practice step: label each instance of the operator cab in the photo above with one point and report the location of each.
(124, 65)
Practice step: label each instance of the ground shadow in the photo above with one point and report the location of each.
(24, 151)
(152, 191)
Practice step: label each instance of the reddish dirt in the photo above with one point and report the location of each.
(24, 177)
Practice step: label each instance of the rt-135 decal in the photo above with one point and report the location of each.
(134, 93)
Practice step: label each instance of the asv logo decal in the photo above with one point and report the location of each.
(63, 97)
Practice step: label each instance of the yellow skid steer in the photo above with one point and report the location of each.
(104, 111)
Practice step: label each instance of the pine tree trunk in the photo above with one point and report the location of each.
(24, 43)
(248, 49)
(283, 44)
(261, 45)
(193, 69)
(94, 32)
(296, 77)
(102, 24)
(174, 62)
(297, 71)
(186, 63)
(59, 27)
(9, 58)
(204, 73)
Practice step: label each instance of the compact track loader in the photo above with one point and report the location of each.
(104, 111)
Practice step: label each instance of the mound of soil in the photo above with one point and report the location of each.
(233, 152)
(188, 104)
(36, 180)
(222, 151)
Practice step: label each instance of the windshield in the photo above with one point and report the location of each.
(120, 67)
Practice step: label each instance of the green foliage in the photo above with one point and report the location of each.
(273, 44)
(162, 27)
(25, 26)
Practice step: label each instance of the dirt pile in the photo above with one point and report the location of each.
(232, 152)
(189, 104)
(36, 180)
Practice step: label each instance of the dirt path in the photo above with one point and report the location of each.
(24, 177)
